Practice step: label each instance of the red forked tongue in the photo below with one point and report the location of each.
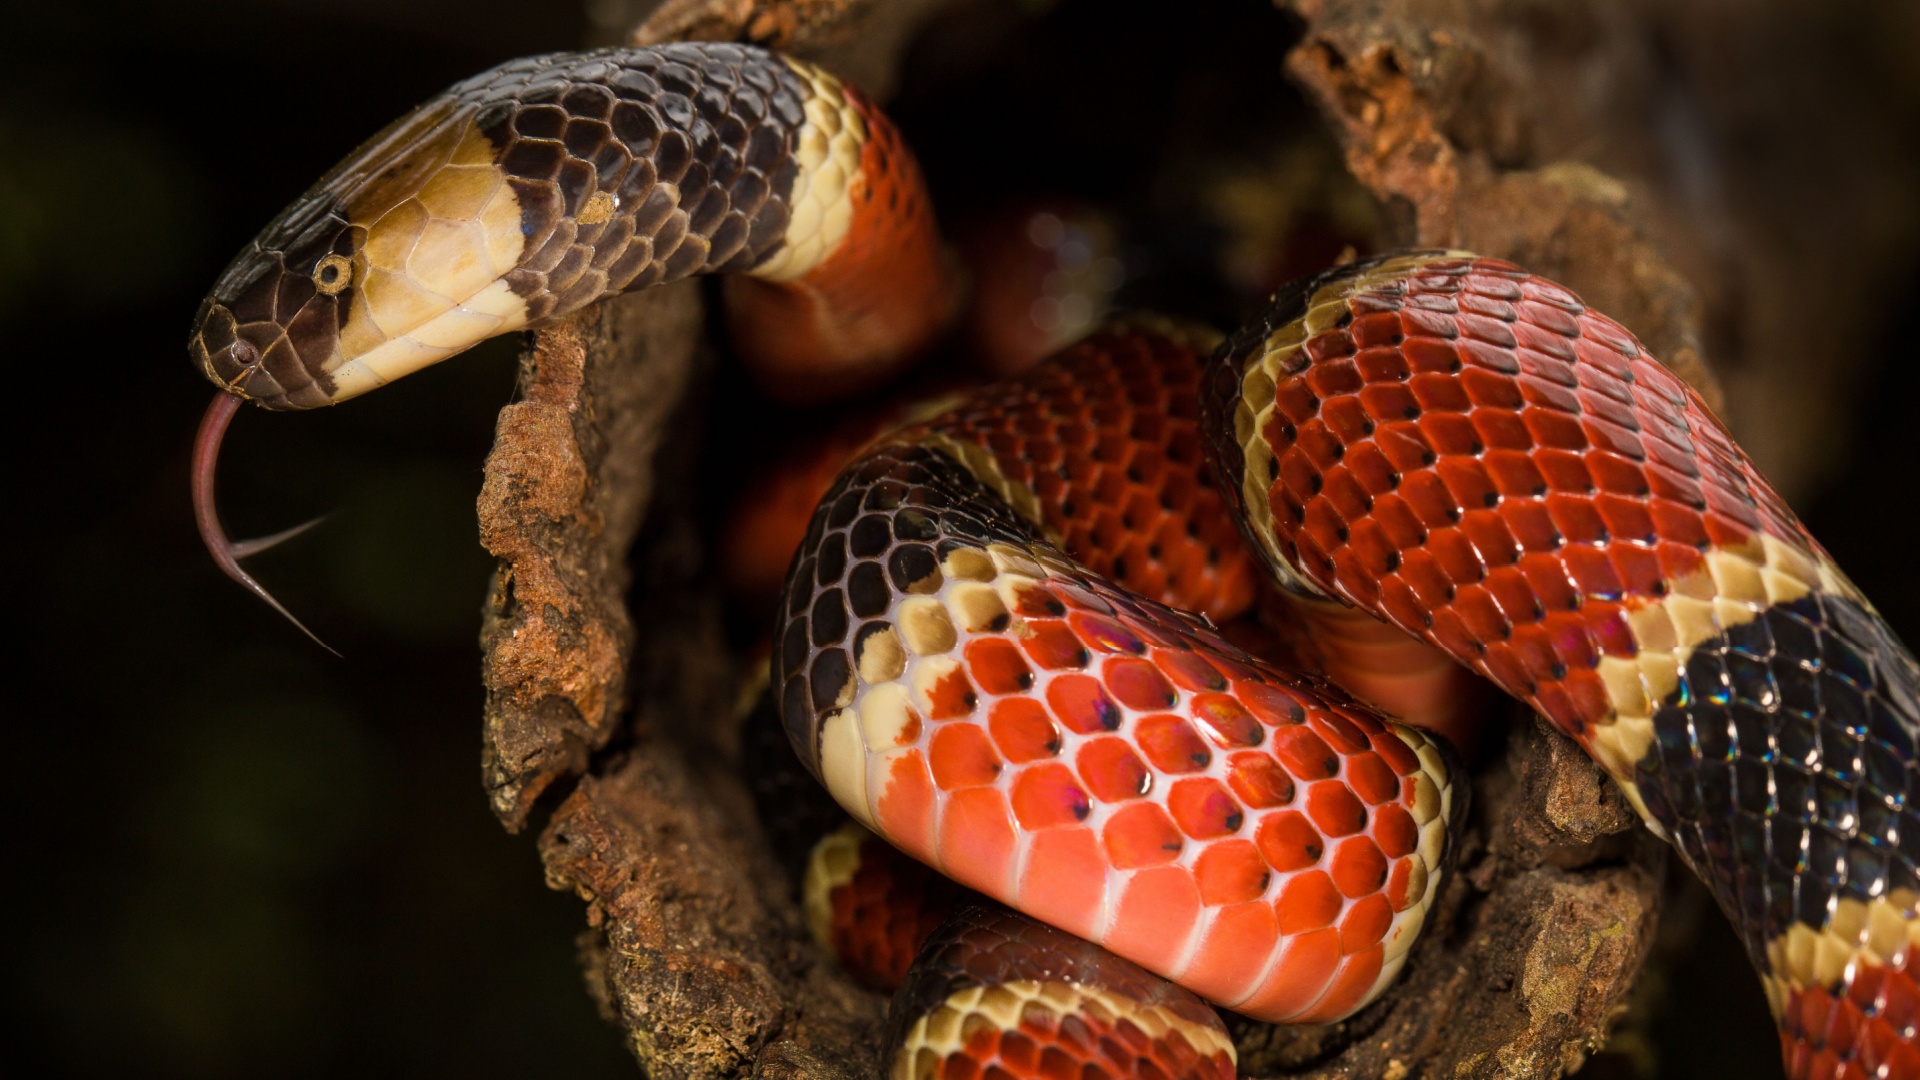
(226, 553)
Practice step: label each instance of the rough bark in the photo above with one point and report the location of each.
(569, 478)
(1456, 121)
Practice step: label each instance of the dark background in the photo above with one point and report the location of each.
(233, 854)
(228, 853)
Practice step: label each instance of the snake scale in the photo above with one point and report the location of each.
(997, 643)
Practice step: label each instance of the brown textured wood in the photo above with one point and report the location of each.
(862, 40)
(566, 485)
(706, 968)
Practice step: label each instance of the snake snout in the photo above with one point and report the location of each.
(270, 328)
(228, 359)
(255, 347)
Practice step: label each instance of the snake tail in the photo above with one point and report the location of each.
(1469, 452)
(996, 994)
(1050, 733)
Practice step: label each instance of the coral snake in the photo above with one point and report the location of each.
(996, 646)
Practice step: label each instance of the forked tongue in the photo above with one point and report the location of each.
(226, 553)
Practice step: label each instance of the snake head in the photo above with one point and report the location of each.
(393, 261)
(270, 329)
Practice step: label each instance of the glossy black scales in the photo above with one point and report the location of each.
(693, 143)
(1791, 745)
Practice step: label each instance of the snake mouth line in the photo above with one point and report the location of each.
(228, 553)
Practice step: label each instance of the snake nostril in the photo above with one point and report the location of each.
(245, 353)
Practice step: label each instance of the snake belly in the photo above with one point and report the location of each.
(1467, 451)
(1058, 741)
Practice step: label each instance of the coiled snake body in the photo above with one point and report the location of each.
(994, 644)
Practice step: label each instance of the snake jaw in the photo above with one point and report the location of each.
(227, 553)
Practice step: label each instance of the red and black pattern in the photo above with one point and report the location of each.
(1862, 1030)
(1452, 444)
(1462, 453)
(1468, 451)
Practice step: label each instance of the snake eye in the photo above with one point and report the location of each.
(333, 273)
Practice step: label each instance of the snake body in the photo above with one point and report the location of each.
(994, 644)
(1047, 736)
(1467, 451)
